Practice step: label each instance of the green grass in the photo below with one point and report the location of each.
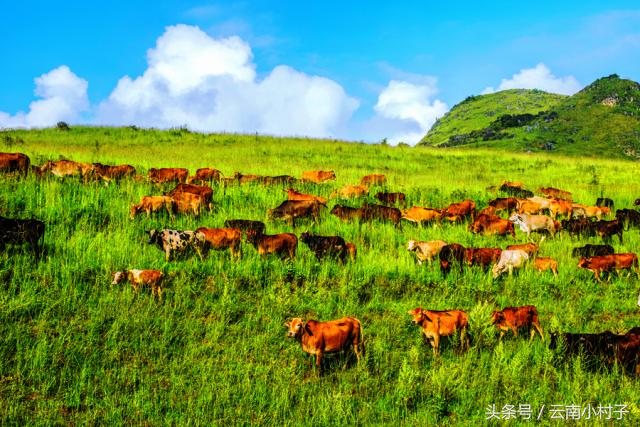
(74, 350)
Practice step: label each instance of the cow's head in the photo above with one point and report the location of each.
(118, 277)
(295, 327)
(584, 263)
(497, 318)
(153, 236)
(418, 316)
(412, 245)
(497, 270)
(134, 211)
(304, 237)
(515, 218)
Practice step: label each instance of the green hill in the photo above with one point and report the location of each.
(603, 119)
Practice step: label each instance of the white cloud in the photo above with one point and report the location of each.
(408, 109)
(64, 97)
(210, 84)
(539, 77)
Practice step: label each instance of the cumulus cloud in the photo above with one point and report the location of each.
(408, 109)
(210, 84)
(539, 77)
(64, 97)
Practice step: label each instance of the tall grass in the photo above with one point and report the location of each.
(73, 349)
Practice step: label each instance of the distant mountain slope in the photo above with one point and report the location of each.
(603, 119)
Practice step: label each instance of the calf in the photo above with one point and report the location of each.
(509, 261)
(606, 263)
(452, 254)
(374, 179)
(482, 257)
(352, 250)
(20, 231)
(318, 338)
(444, 323)
(420, 215)
(289, 210)
(245, 225)
(153, 204)
(294, 195)
(171, 241)
(491, 224)
(426, 251)
(322, 246)
(514, 318)
(219, 239)
(283, 245)
(587, 251)
(533, 223)
(138, 278)
(543, 264)
(390, 198)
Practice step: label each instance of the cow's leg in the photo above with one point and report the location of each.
(436, 344)
(501, 335)
(513, 329)
(464, 342)
(167, 253)
(539, 329)
(319, 354)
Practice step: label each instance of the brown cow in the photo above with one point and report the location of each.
(514, 318)
(491, 224)
(352, 250)
(318, 177)
(374, 179)
(556, 193)
(350, 192)
(528, 207)
(381, 213)
(64, 168)
(504, 204)
(205, 192)
(289, 210)
(461, 209)
(204, 176)
(283, 245)
(318, 338)
(15, 162)
(421, 215)
(426, 251)
(606, 263)
(390, 198)
(559, 207)
(346, 213)
(544, 264)
(107, 173)
(162, 175)
(294, 195)
(482, 257)
(436, 324)
(220, 239)
(138, 278)
(530, 248)
(153, 204)
(189, 202)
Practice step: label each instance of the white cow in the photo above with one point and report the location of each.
(509, 260)
(529, 223)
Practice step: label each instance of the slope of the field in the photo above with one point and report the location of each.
(75, 350)
(602, 120)
(478, 112)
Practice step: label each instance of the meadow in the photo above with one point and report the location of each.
(75, 350)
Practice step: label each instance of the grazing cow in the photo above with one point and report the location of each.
(515, 191)
(560, 207)
(171, 241)
(219, 239)
(15, 162)
(289, 210)
(556, 193)
(381, 213)
(294, 195)
(64, 168)
(587, 251)
(420, 215)
(526, 206)
(607, 229)
(245, 225)
(451, 254)
(582, 211)
(352, 250)
(604, 201)
(205, 192)
(322, 246)
(318, 177)
(533, 223)
(279, 180)
(283, 245)
(582, 227)
(629, 217)
(153, 204)
(20, 231)
(139, 278)
(350, 192)
(205, 176)
(239, 178)
(189, 202)
(426, 251)
(508, 204)
(530, 248)
(162, 175)
(543, 264)
(491, 224)
(374, 179)
(461, 209)
(346, 213)
(606, 263)
(441, 323)
(390, 198)
(482, 257)
(509, 261)
(108, 173)
(514, 318)
(318, 338)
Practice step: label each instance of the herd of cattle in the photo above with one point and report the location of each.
(524, 210)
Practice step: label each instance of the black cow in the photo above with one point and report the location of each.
(582, 227)
(390, 198)
(346, 213)
(588, 251)
(453, 253)
(20, 231)
(171, 241)
(321, 246)
(381, 213)
(607, 229)
(629, 217)
(605, 201)
(516, 191)
(279, 180)
(245, 225)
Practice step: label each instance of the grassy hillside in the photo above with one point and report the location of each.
(74, 350)
(601, 120)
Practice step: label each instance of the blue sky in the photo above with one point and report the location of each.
(436, 53)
